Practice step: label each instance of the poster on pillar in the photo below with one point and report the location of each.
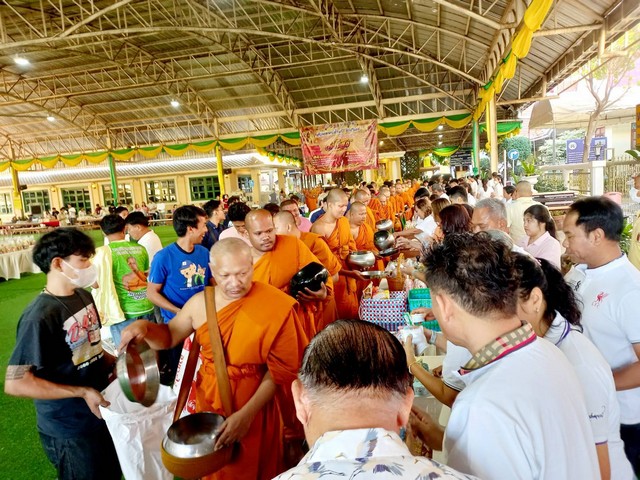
(340, 147)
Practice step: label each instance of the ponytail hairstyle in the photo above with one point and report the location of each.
(558, 295)
(542, 215)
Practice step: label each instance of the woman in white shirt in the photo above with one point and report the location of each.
(541, 240)
(549, 304)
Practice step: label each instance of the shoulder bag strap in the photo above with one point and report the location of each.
(219, 360)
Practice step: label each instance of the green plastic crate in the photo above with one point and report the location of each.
(419, 297)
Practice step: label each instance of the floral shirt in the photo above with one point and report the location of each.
(367, 453)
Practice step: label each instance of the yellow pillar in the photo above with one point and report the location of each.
(17, 198)
(492, 131)
(223, 188)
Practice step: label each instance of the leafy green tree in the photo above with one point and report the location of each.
(410, 165)
(519, 143)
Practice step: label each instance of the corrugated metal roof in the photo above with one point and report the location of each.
(264, 64)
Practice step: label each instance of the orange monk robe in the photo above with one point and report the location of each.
(288, 256)
(320, 249)
(376, 206)
(342, 243)
(371, 219)
(387, 211)
(259, 332)
(407, 198)
(364, 241)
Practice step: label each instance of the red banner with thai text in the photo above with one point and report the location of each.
(340, 147)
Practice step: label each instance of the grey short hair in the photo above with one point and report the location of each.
(497, 208)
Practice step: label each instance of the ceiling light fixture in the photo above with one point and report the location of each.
(440, 136)
(19, 60)
(51, 118)
(439, 143)
(440, 127)
(175, 103)
(381, 142)
(364, 78)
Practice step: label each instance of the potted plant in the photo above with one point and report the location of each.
(530, 170)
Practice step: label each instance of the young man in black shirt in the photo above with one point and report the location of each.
(59, 362)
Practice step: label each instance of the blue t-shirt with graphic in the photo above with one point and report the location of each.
(181, 274)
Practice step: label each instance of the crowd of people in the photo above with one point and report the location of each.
(541, 369)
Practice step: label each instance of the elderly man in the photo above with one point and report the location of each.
(361, 231)
(291, 206)
(263, 343)
(522, 199)
(509, 368)
(335, 229)
(608, 285)
(358, 439)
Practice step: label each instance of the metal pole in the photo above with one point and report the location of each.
(220, 171)
(475, 130)
(492, 130)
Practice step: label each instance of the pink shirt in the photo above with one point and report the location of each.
(305, 224)
(231, 232)
(545, 247)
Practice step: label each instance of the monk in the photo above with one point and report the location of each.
(362, 232)
(364, 197)
(385, 207)
(277, 258)
(263, 343)
(285, 224)
(376, 207)
(335, 229)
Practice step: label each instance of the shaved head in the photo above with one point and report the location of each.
(336, 195)
(261, 231)
(232, 267)
(362, 196)
(230, 247)
(285, 223)
(357, 214)
(523, 189)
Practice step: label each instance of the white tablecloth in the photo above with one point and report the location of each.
(12, 264)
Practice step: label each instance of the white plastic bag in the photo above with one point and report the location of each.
(137, 432)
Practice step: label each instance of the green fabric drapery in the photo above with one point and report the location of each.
(505, 128)
(230, 144)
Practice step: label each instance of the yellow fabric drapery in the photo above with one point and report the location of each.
(425, 125)
(126, 154)
(520, 45)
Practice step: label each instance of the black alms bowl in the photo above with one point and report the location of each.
(312, 277)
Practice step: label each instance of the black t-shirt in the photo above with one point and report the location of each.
(60, 337)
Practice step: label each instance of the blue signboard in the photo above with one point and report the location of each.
(513, 154)
(575, 149)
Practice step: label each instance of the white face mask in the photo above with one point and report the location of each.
(84, 276)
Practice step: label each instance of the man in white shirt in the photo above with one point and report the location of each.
(352, 416)
(73, 215)
(138, 230)
(522, 401)
(608, 285)
(515, 211)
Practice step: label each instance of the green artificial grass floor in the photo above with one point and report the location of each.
(21, 455)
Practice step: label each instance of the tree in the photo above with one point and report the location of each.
(604, 74)
(519, 143)
(410, 165)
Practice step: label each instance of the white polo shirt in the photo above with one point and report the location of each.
(599, 389)
(523, 417)
(610, 317)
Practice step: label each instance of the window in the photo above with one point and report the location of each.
(125, 197)
(6, 203)
(78, 197)
(161, 191)
(36, 198)
(204, 188)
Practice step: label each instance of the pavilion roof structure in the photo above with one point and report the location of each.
(102, 73)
